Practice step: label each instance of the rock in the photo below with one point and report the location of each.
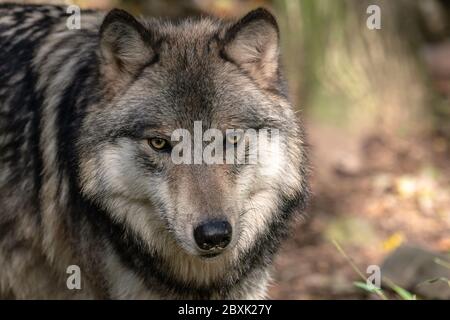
(411, 267)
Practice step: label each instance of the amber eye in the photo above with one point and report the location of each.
(158, 144)
(234, 138)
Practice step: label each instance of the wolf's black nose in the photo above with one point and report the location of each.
(215, 234)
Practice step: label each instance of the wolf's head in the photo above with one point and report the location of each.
(159, 76)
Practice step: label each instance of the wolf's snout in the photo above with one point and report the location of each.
(214, 234)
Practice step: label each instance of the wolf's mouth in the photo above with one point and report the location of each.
(210, 255)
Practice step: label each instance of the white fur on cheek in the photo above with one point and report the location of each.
(259, 188)
(120, 172)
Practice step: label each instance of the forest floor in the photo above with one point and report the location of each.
(371, 194)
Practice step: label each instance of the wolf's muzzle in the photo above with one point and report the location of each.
(213, 235)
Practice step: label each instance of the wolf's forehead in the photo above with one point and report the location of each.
(185, 97)
(192, 83)
(186, 30)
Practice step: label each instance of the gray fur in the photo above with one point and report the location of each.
(79, 183)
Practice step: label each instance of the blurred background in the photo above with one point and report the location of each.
(376, 106)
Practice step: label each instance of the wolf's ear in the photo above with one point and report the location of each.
(125, 44)
(253, 44)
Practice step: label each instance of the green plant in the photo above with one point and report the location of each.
(370, 288)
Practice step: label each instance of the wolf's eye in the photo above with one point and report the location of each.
(158, 144)
(234, 138)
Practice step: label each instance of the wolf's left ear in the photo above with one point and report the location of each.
(253, 44)
(125, 45)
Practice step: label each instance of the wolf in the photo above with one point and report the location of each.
(86, 176)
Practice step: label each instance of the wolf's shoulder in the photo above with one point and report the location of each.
(20, 20)
(13, 13)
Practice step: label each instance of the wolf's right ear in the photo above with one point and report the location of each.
(125, 45)
(252, 43)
